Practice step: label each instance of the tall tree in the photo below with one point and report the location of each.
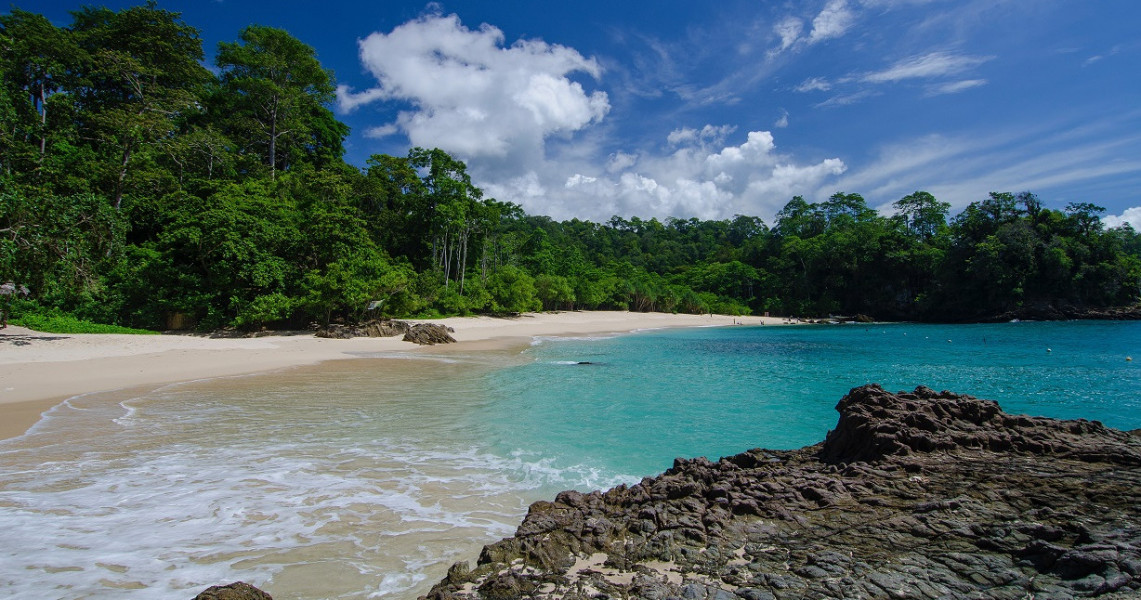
(279, 92)
(142, 82)
(37, 61)
(923, 214)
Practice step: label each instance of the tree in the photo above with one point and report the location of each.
(923, 214)
(38, 61)
(841, 208)
(799, 218)
(276, 91)
(142, 81)
(1085, 217)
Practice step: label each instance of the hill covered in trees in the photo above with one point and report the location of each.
(139, 188)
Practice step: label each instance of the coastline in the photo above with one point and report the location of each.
(40, 370)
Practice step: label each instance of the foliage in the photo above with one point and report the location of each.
(138, 188)
(54, 322)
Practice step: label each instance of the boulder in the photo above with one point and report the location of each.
(427, 334)
(239, 590)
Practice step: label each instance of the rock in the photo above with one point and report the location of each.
(239, 590)
(918, 494)
(427, 334)
(421, 333)
(377, 328)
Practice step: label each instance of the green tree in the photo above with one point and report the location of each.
(142, 83)
(923, 214)
(38, 60)
(275, 92)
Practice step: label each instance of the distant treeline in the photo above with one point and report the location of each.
(139, 188)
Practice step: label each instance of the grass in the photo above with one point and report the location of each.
(69, 324)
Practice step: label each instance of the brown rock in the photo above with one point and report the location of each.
(916, 494)
(239, 590)
(427, 334)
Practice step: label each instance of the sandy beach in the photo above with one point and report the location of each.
(40, 370)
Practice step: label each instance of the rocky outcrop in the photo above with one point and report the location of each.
(427, 334)
(421, 333)
(914, 495)
(378, 328)
(1063, 312)
(239, 590)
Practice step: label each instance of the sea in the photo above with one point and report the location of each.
(368, 478)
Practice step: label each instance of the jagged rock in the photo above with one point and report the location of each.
(379, 328)
(921, 494)
(874, 423)
(239, 590)
(427, 334)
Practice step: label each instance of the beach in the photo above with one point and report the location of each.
(40, 370)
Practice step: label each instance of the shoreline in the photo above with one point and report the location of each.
(40, 370)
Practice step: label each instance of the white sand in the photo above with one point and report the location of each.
(39, 370)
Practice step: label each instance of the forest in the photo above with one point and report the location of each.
(139, 188)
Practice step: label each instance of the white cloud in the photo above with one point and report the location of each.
(620, 161)
(846, 99)
(788, 31)
(832, 22)
(935, 64)
(381, 131)
(472, 96)
(702, 178)
(578, 179)
(815, 84)
(782, 121)
(347, 101)
(1132, 216)
(1056, 160)
(954, 87)
(707, 135)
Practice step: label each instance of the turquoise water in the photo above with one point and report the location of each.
(368, 478)
(648, 398)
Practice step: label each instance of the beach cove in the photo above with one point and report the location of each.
(39, 370)
(367, 477)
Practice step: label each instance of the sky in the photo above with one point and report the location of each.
(685, 109)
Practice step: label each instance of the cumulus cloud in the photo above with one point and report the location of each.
(706, 135)
(935, 64)
(620, 161)
(471, 95)
(520, 117)
(703, 177)
(1131, 216)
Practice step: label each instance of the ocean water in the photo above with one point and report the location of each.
(368, 478)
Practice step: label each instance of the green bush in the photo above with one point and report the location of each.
(60, 323)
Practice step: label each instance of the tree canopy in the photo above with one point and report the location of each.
(138, 188)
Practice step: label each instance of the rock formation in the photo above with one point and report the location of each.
(421, 333)
(914, 495)
(427, 334)
(376, 328)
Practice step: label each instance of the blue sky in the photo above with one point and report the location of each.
(590, 109)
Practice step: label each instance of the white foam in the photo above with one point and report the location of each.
(175, 516)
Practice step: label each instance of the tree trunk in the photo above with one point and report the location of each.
(43, 124)
(122, 177)
(463, 264)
